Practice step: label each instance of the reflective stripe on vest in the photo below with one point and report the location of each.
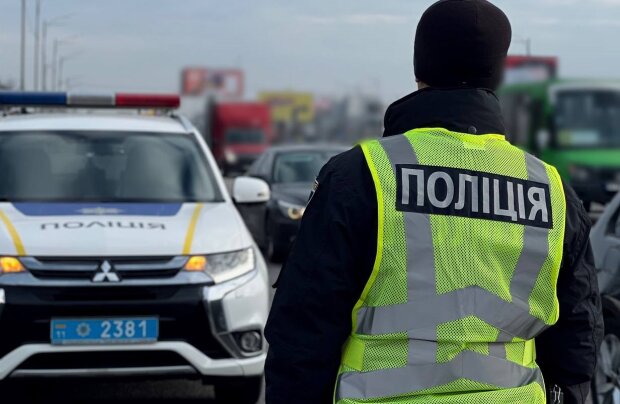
(426, 309)
(469, 365)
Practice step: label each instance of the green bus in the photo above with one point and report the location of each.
(573, 125)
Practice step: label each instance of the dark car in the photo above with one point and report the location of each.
(290, 172)
(605, 239)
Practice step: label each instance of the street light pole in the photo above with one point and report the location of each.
(527, 42)
(45, 65)
(54, 61)
(61, 64)
(528, 47)
(44, 57)
(37, 26)
(57, 43)
(22, 65)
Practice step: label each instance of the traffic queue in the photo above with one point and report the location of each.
(124, 254)
(310, 223)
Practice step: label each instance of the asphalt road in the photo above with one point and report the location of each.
(86, 391)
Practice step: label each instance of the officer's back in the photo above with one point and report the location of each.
(439, 264)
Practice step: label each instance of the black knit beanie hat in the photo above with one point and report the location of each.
(462, 43)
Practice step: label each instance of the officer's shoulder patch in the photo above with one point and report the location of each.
(315, 186)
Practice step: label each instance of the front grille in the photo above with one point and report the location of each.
(114, 294)
(182, 315)
(53, 268)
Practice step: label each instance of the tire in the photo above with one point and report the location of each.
(276, 252)
(10, 389)
(605, 384)
(243, 390)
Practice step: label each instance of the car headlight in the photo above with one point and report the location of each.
(292, 211)
(10, 265)
(230, 156)
(225, 266)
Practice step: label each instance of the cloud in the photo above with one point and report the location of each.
(357, 19)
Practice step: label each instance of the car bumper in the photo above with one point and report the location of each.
(198, 325)
(197, 362)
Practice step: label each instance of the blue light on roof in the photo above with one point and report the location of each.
(89, 100)
(19, 98)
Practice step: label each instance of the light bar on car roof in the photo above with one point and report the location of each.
(88, 100)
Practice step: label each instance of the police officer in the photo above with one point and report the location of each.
(439, 264)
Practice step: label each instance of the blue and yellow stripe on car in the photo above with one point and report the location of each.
(191, 230)
(17, 241)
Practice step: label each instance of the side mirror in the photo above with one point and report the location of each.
(250, 190)
(260, 177)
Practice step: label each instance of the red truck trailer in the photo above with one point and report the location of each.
(240, 132)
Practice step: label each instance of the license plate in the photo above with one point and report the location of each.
(104, 331)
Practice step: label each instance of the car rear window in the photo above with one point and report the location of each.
(300, 166)
(104, 166)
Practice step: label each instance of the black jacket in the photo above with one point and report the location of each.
(335, 250)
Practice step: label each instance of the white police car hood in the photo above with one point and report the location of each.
(112, 229)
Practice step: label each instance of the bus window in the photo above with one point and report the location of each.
(588, 118)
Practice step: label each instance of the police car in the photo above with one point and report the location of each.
(121, 251)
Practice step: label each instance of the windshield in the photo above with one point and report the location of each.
(300, 166)
(103, 167)
(588, 118)
(245, 136)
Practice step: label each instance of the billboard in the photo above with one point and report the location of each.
(289, 106)
(228, 83)
(530, 69)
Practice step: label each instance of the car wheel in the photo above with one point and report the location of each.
(275, 251)
(245, 390)
(8, 389)
(604, 386)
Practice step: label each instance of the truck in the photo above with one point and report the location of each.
(239, 133)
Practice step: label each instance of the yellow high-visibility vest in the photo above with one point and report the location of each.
(469, 248)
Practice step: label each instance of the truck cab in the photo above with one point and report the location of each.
(240, 133)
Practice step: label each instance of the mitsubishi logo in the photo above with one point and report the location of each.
(105, 274)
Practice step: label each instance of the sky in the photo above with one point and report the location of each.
(329, 47)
